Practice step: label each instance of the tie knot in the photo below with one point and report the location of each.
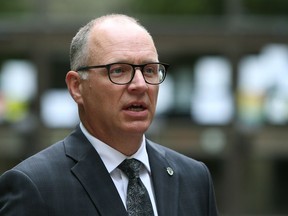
(131, 168)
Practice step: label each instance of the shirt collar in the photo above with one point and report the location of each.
(111, 157)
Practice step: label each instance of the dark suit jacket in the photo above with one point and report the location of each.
(70, 179)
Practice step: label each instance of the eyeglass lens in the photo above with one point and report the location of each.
(121, 73)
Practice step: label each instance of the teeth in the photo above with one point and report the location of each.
(136, 108)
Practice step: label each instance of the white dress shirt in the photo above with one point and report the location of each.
(113, 158)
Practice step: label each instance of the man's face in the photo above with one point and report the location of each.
(111, 109)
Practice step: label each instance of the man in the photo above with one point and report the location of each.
(114, 79)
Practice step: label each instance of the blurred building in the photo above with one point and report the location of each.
(225, 100)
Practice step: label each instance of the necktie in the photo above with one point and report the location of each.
(138, 201)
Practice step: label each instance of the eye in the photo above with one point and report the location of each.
(117, 70)
(150, 70)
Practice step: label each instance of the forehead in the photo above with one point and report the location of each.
(114, 39)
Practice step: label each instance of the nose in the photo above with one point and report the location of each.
(138, 82)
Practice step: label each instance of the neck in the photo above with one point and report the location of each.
(126, 143)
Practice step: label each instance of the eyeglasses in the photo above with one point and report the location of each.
(123, 73)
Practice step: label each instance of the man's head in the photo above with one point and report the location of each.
(109, 111)
(79, 50)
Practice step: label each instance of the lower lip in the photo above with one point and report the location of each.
(136, 114)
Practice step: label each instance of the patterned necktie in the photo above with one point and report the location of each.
(138, 201)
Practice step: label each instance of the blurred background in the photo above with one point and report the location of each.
(225, 100)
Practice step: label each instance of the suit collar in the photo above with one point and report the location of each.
(92, 174)
(165, 185)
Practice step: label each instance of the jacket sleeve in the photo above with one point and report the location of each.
(19, 196)
(212, 208)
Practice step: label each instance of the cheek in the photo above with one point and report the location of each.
(91, 97)
(108, 98)
(154, 95)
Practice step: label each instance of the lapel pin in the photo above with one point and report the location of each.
(170, 171)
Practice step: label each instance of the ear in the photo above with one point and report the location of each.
(73, 82)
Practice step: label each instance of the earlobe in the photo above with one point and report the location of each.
(73, 83)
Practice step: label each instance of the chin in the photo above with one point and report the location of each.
(137, 128)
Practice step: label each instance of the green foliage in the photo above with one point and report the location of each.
(178, 7)
(149, 7)
(15, 6)
(266, 7)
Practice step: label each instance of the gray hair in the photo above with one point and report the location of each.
(79, 50)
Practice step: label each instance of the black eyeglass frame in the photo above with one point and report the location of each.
(108, 66)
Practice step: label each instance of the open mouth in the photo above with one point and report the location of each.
(136, 108)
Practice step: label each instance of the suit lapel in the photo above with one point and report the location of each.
(165, 184)
(92, 174)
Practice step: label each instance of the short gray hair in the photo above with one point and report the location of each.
(79, 49)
